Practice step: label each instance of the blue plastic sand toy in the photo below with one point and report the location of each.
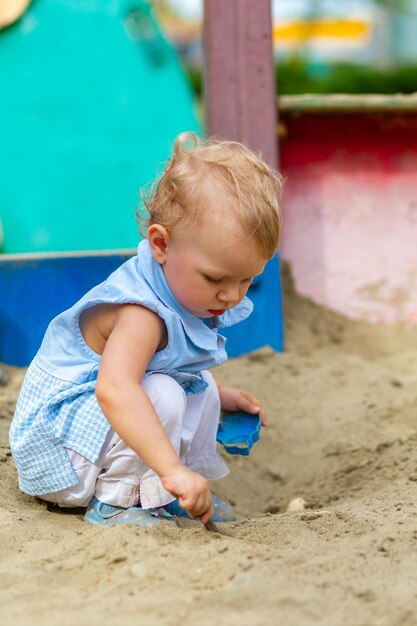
(238, 432)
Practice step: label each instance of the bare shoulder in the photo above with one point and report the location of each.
(99, 322)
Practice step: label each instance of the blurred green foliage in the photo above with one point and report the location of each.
(296, 76)
(196, 79)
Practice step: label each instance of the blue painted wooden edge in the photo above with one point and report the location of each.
(36, 287)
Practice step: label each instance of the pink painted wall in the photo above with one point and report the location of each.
(350, 211)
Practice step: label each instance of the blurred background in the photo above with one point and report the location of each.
(320, 46)
(350, 160)
(94, 93)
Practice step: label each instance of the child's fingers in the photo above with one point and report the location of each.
(201, 507)
(207, 510)
(249, 403)
(207, 516)
(253, 406)
(192, 491)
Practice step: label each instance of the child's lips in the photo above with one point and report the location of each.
(216, 311)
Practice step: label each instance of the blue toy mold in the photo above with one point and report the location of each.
(238, 432)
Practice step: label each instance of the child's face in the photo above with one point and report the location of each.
(208, 270)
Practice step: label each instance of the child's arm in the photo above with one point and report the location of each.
(236, 399)
(136, 334)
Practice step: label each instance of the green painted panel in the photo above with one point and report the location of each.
(92, 97)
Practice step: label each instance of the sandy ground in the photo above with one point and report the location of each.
(342, 405)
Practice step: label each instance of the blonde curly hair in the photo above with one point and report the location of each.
(198, 173)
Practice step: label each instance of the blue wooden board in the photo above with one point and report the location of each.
(34, 288)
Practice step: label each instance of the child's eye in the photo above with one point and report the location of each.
(247, 281)
(211, 279)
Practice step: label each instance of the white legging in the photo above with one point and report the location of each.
(121, 478)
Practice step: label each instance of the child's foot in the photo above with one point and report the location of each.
(223, 512)
(99, 513)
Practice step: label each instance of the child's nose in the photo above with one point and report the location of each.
(229, 294)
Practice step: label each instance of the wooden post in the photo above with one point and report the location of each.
(240, 94)
(240, 101)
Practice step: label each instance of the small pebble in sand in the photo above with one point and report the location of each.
(138, 570)
(297, 504)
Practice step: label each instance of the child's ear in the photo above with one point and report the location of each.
(158, 238)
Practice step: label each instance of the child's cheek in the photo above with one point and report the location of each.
(200, 297)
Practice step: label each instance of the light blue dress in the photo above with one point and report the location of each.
(57, 407)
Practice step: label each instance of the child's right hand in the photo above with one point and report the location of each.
(192, 491)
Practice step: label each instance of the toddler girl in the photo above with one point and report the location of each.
(117, 411)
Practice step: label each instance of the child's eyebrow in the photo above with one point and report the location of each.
(215, 276)
(217, 273)
(211, 271)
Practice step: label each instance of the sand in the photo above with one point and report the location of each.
(342, 433)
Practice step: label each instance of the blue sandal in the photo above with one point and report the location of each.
(99, 513)
(223, 512)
